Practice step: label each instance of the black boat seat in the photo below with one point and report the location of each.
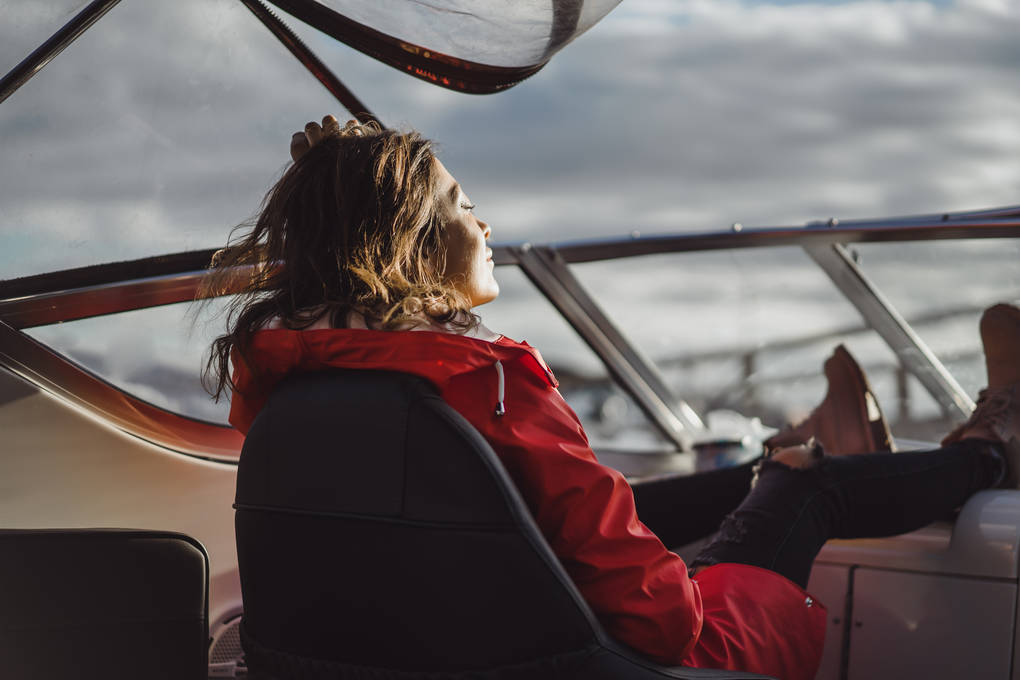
(103, 604)
(378, 536)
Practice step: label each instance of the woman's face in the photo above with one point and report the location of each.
(469, 265)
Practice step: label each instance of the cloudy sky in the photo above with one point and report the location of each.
(165, 123)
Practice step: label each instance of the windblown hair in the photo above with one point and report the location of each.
(353, 224)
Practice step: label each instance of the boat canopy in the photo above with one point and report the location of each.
(477, 46)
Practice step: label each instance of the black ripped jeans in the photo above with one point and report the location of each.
(790, 514)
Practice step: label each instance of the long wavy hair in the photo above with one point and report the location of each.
(353, 224)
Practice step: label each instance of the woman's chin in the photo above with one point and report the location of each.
(487, 296)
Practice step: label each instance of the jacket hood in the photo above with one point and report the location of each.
(435, 356)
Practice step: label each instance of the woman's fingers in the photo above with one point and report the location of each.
(330, 125)
(313, 133)
(298, 145)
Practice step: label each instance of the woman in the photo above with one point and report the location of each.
(377, 263)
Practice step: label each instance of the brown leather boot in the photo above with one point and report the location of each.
(848, 420)
(997, 415)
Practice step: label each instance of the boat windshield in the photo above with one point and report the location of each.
(669, 120)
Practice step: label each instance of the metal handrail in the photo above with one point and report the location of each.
(864, 231)
(53, 299)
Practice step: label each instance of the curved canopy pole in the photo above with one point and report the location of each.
(311, 62)
(45, 53)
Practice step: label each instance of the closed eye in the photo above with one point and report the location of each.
(467, 206)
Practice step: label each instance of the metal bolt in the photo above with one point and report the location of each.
(808, 601)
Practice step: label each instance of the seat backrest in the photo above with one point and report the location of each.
(103, 604)
(376, 527)
(378, 536)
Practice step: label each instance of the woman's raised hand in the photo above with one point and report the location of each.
(301, 142)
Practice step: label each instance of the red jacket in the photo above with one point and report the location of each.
(731, 616)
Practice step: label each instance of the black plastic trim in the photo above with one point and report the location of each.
(112, 272)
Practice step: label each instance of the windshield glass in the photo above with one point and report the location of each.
(752, 343)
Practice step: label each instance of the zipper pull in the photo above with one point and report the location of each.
(500, 389)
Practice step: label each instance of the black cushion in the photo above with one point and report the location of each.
(103, 603)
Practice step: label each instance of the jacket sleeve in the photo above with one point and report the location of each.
(638, 589)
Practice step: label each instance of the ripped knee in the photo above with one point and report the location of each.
(800, 457)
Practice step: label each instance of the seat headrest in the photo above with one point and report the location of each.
(370, 443)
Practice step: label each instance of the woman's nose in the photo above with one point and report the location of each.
(486, 229)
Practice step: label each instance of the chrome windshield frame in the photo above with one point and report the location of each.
(547, 266)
